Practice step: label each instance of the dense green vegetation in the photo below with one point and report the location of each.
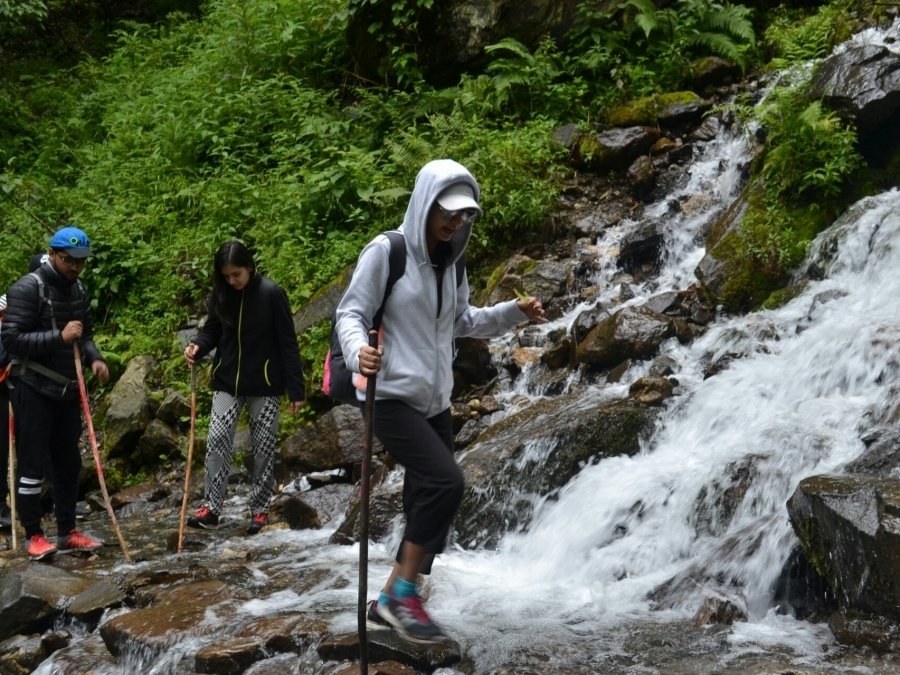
(243, 118)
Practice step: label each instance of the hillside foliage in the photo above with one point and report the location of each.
(243, 118)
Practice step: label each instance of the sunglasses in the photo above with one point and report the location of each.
(69, 260)
(466, 216)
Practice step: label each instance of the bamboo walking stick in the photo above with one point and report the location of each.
(86, 408)
(190, 459)
(368, 419)
(11, 477)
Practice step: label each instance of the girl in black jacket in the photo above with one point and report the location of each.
(249, 324)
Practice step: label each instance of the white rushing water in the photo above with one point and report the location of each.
(795, 405)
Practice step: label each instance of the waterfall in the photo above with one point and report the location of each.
(809, 377)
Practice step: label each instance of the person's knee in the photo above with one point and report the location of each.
(456, 485)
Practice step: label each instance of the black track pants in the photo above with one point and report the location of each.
(433, 483)
(47, 433)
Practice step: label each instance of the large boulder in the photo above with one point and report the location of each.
(553, 439)
(861, 84)
(32, 598)
(131, 408)
(631, 333)
(849, 527)
(334, 441)
(450, 36)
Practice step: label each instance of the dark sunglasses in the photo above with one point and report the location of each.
(467, 216)
(69, 260)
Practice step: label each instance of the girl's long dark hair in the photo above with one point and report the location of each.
(236, 254)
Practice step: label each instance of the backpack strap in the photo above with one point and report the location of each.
(42, 298)
(27, 363)
(396, 268)
(460, 268)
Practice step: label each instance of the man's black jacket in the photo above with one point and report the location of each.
(28, 332)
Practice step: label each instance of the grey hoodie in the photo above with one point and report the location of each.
(418, 342)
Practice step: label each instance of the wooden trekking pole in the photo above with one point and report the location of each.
(190, 459)
(86, 408)
(11, 477)
(368, 420)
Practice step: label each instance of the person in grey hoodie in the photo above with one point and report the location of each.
(428, 308)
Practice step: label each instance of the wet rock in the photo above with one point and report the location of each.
(291, 632)
(22, 654)
(640, 247)
(881, 456)
(386, 645)
(711, 271)
(229, 656)
(719, 610)
(560, 354)
(87, 654)
(615, 149)
(328, 502)
(862, 84)
(641, 175)
(651, 390)
(90, 605)
(472, 367)
(277, 665)
(802, 591)
(380, 668)
(31, 598)
(385, 505)
(632, 333)
(296, 512)
(553, 440)
(877, 633)
(849, 527)
(138, 493)
(176, 612)
(544, 279)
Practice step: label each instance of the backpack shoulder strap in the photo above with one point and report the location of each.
(396, 266)
(42, 297)
(460, 268)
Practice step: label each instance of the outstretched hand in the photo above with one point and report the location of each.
(532, 308)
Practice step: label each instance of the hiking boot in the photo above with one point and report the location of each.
(37, 546)
(76, 541)
(257, 522)
(5, 516)
(373, 618)
(410, 619)
(204, 518)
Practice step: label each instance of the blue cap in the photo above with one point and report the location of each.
(73, 241)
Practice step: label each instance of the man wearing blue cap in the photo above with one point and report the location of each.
(48, 311)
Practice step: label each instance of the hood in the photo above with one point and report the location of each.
(432, 179)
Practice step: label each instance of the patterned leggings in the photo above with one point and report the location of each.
(264, 416)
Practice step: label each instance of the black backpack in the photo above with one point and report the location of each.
(337, 380)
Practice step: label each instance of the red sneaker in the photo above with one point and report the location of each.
(257, 522)
(204, 518)
(37, 546)
(76, 541)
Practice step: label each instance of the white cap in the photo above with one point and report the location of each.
(457, 197)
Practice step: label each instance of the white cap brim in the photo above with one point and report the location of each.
(457, 197)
